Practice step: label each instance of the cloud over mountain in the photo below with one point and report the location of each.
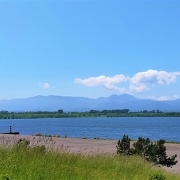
(104, 81)
(139, 82)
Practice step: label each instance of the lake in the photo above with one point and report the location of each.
(155, 128)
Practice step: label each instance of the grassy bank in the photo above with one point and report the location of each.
(20, 162)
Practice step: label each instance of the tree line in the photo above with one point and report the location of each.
(92, 113)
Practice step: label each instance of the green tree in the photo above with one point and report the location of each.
(123, 146)
(60, 111)
(151, 151)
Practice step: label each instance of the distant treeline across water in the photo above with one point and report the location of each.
(92, 113)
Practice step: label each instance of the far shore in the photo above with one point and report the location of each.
(86, 146)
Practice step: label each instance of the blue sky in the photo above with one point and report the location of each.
(90, 48)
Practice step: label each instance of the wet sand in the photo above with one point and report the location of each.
(85, 145)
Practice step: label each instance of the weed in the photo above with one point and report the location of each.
(157, 177)
(5, 177)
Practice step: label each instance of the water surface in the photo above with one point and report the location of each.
(110, 128)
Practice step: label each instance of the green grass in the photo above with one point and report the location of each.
(20, 162)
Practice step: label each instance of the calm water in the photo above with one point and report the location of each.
(110, 128)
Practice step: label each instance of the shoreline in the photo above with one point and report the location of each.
(86, 146)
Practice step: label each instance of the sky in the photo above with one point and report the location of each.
(90, 48)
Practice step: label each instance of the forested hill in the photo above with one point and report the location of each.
(69, 104)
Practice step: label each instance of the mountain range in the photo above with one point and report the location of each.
(68, 103)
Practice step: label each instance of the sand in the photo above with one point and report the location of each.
(86, 145)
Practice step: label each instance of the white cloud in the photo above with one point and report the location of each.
(138, 88)
(104, 81)
(143, 81)
(139, 82)
(176, 97)
(164, 98)
(112, 87)
(154, 76)
(45, 85)
(161, 98)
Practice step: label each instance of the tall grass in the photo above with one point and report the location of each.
(24, 162)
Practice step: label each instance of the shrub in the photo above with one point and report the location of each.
(38, 134)
(153, 152)
(23, 142)
(5, 177)
(39, 149)
(123, 146)
(157, 177)
(96, 138)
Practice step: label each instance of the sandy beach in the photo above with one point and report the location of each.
(85, 145)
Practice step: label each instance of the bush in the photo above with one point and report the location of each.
(39, 149)
(5, 177)
(38, 134)
(23, 142)
(123, 146)
(157, 177)
(153, 152)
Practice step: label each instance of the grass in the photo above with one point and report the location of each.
(23, 162)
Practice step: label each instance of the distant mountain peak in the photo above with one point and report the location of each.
(70, 103)
(123, 97)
